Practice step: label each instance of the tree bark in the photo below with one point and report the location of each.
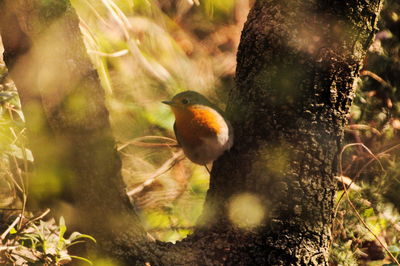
(296, 65)
(297, 62)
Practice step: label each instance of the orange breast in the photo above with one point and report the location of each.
(196, 122)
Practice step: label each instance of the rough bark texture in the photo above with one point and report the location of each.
(297, 61)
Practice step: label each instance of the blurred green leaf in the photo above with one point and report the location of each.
(20, 153)
(368, 212)
(6, 96)
(394, 249)
(75, 236)
(81, 259)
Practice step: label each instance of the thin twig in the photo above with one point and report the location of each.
(38, 217)
(16, 183)
(367, 227)
(23, 191)
(140, 141)
(365, 166)
(115, 54)
(348, 182)
(153, 68)
(32, 220)
(357, 144)
(3, 236)
(177, 157)
(351, 203)
(357, 127)
(373, 159)
(375, 77)
(97, 15)
(23, 185)
(341, 168)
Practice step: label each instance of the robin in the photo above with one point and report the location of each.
(200, 127)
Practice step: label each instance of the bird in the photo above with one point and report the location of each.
(200, 127)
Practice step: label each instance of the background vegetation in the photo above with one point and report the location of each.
(145, 52)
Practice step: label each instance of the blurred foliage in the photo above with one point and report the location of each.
(38, 242)
(14, 157)
(375, 122)
(145, 52)
(30, 240)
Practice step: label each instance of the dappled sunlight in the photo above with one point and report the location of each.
(246, 210)
(271, 165)
(307, 37)
(277, 159)
(144, 52)
(144, 56)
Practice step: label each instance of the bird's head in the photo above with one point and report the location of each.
(186, 99)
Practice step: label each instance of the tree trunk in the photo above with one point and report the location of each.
(271, 197)
(296, 65)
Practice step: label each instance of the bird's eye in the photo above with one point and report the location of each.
(185, 101)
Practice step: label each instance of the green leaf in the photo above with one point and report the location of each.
(82, 259)
(75, 243)
(63, 229)
(76, 236)
(368, 212)
(394, 249)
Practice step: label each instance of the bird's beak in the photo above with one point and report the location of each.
(167, 102)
